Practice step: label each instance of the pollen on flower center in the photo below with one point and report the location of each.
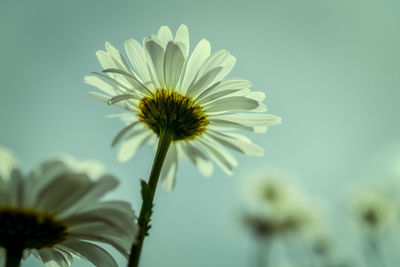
(168, 109)
(29, 229)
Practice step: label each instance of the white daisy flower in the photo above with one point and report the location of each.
(373, 211)
(189, 96)
(266, 190)
(55, 213)
(276, 207)
(299, 219)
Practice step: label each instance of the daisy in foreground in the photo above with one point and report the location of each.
(54, 213)
(185, 103)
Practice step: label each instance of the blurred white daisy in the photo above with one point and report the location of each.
(187, 96)
(299, 217)
(373, 211)
(55, 213)
(321, 242)
(277, 207)
(267, 190)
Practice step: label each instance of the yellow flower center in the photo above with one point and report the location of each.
(20, 228)
(170, 110)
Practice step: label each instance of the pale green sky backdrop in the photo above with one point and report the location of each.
(330, 69)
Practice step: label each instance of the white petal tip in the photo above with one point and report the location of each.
(122, 158)
(207, 172)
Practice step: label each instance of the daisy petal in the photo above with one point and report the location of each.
(203, 82)
(93, 253)
(44, 174)
(228, 64)
(98, 232)
(128, 118)
(17, 189)
(117, 205)
(96, 190)
(4, 192)
(232, 103)
(123, 132)
(101, 84)
(173, 64)
(2, 257)
(228, 84)
(182, 36)
(57, 193)
(106, 216)
(66, 255)
(105, 59)
(137, 57)
(155, 53)
(132, 80)
(122, 115)
(53, 258)
(222, 94)
(198, 158)
(25, 255)
(119, 98)
(200, 53)
(118, 86)
(257, 95)
(8, 163)
(258, 122)
(60, 193)
(222, 157)
(99, 97)
(169, 169)
(237, 142)
(223, 125)
(104, 98)
(129, 147)
(101, 186)
(222, 59)
(164, 35)
(118, 59)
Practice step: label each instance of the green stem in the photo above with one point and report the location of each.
(375, 247)
(165, 139)
(14, 256)
(263, 254)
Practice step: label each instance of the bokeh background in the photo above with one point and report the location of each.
(330, 69)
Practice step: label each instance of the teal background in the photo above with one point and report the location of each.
(330, 69)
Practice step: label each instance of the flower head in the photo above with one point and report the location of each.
(321, 243)
(293, 220)
(373, 212)
(55, 212)
(276, 207)
(269, 189)
(188, 96)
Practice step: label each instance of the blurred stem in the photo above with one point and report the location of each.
(374, 245)
(324, 259)
(262, 255)
(165, 139)
(310, 256)
(289, 253)
(14, 256)
(372, 254)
